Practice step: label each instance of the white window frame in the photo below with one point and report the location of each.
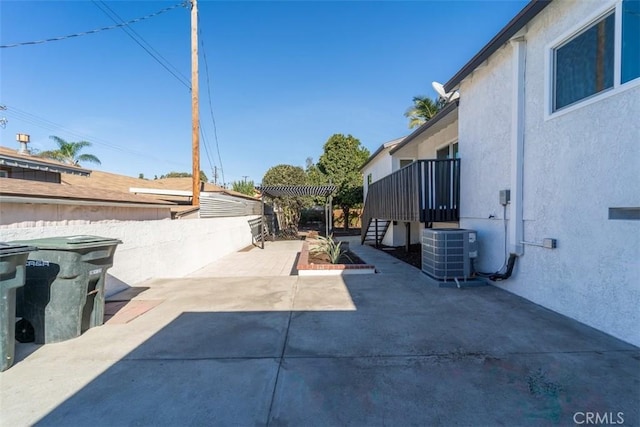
(611, 6)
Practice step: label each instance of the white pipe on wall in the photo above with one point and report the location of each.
(516, 225)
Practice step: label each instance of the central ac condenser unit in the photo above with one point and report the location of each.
(447, 253)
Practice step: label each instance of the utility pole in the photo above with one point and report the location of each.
(195, 110)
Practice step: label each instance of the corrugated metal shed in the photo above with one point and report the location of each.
(215, 205)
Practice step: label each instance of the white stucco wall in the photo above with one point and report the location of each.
(576, 166)
(14, 215)
(152, 249)
(378, 167)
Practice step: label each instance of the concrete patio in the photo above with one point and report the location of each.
(244, 342)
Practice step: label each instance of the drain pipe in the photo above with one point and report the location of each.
(516, 225)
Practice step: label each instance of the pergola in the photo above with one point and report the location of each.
(300, 191)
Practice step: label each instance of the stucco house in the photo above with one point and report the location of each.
(421, 188)
(548, 110)
(378, 165)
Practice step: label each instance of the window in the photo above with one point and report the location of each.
(630, 40)
(405, 162)
(585, 64)
(448, 152)
(369, 179)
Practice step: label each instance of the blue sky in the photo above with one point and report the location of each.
(284, 76)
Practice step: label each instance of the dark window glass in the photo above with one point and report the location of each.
(404, 163)
(630, 40)
(442, 153)
(584, 65)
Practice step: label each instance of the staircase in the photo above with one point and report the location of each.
(379, 225)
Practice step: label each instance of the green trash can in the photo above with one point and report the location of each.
(63, 295)
(12, 268)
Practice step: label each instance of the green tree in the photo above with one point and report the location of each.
(203, 176)
(422, 110)
(340, 164)
(69, 152)
(288, 208)
(244, 187)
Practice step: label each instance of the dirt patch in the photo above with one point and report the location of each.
(348, 258)
(413, 257)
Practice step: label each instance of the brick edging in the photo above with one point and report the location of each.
(303, 263)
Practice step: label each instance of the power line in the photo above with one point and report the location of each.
(213, 119)
(55, 127)
(97, 30)
(206, 148)
(157, 56)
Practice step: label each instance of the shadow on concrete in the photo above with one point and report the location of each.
(127, 294)
(294, 267)
(408, 355)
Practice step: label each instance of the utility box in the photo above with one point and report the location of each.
(12, 273)
(63, 295)
(505, 197)
(447, 253)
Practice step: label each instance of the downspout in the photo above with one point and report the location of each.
(516, 224)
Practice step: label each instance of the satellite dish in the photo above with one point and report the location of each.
(447, 96)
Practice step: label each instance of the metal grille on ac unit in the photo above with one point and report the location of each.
(447, 252)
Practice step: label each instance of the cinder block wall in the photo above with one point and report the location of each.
(154, 248)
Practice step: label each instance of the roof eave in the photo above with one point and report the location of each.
(373, 156)
(34, 164)
(516, 24)
(6, 198)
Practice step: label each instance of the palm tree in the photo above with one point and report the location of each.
(422, 111)
(69, 152)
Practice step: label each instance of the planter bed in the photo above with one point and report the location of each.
(325, 268)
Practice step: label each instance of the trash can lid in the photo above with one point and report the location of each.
(69, 242)
(15, 249)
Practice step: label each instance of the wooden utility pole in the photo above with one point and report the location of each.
(195, 110)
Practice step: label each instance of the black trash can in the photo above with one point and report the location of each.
(12, 273)
(63, 295)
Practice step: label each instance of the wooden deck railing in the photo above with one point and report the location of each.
(425, 191)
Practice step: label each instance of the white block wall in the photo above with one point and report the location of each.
(153, 249)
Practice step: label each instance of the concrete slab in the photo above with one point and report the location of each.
(385, 349)
(159, 392)
(276, 259)
(217, 335)
(454, 390)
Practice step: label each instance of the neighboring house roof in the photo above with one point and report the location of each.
(10, 157)
(516, 24)
(116, 182)
(389, 144)
(26, 191)
(439, 117)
